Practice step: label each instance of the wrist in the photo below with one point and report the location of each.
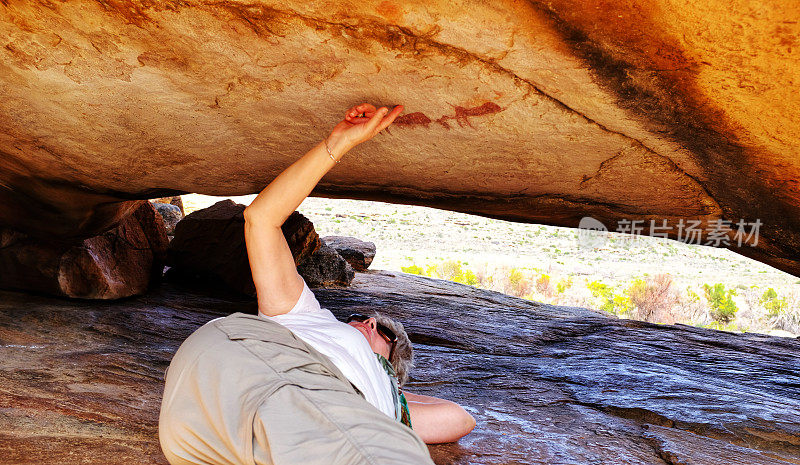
(329, 152)
(335, 147)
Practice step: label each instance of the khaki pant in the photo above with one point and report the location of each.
(245, 390)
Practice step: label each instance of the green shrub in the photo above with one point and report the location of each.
(637, 292)
(622, 304)
(469, 278)
(543, 283)
(723, 308)
(609, 302)
(454, 272)
(432, 271)
(775, 306)
(599, 289)
(519, 284)
(563, 285)
(413, 269)
(450, 270)
(730, 327)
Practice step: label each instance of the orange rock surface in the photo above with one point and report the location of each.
(529, 111)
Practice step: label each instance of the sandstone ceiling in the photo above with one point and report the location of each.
(529, 111)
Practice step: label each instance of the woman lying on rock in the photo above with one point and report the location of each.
(293, 385)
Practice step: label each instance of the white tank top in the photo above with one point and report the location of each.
(347, 348)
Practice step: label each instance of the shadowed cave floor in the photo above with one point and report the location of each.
(81, 381)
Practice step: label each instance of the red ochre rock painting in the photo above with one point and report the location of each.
(413, 119)
(461, 116)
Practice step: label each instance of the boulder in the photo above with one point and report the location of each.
(326, 268)
(209, 250)
(303, 240)
(358, 253)
(171, 214)
(173, 200)
(532, 111)
(118, 263)
(82, 381)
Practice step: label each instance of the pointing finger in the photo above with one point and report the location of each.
(389, 119)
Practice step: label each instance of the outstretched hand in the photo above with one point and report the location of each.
(362, 123)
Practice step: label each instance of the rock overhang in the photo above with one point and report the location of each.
(525, 111)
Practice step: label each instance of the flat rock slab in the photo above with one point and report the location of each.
(531, 111)
(81, 382)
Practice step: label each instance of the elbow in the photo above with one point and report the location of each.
(254, 216)
(248, 215)
(460, 426)
(468, 424)
(472, 423)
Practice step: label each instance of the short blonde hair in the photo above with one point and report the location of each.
(403, 357)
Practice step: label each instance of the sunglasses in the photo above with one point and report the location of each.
(387, 333)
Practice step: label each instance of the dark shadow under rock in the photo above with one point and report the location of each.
(209, 249)
(121, 262)
(82, 381)
(209, 246)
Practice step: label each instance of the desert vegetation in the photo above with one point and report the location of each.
(644, 278)
(655, 299)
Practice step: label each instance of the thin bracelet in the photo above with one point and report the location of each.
(325, 141)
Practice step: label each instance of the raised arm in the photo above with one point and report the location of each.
(438, 420)
(278, 285)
